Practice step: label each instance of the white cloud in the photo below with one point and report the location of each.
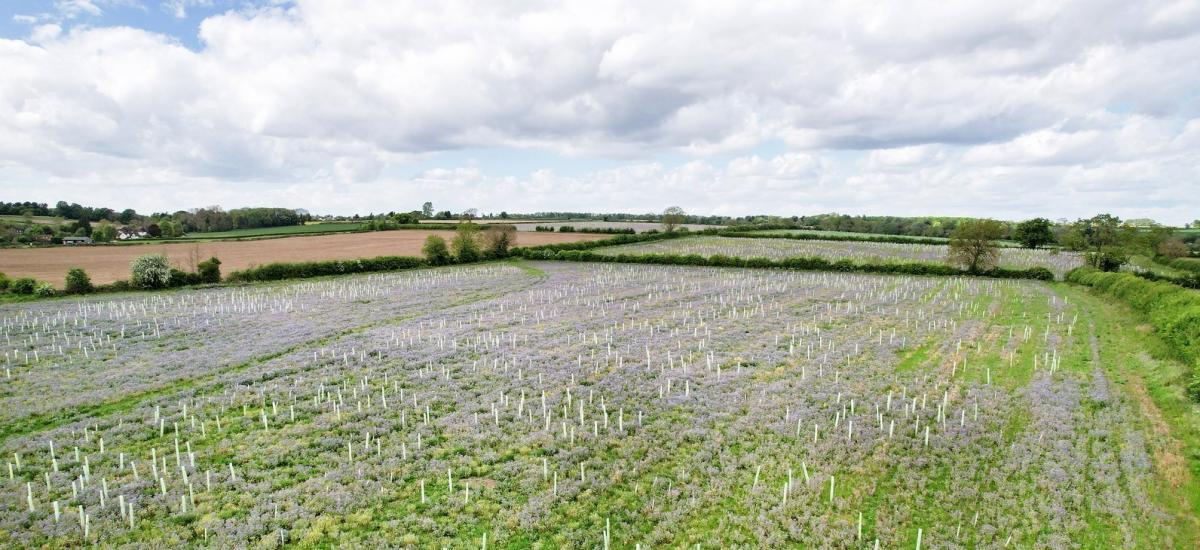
(880, 104)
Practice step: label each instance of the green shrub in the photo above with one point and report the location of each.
(464, 245)
(150, 271)
(209, 270)
(435, 250)
(23, 285)
(78, 281)
(4, 282)
(44, 290)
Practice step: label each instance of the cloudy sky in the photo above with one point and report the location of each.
(1003, 109)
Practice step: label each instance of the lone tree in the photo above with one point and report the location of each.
(1034, 233)
(1103, 239)
(435, 250)
(78, 281)
(427, 209)
(972, 246)
(672, 217)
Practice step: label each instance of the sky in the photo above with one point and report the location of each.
(999, 109)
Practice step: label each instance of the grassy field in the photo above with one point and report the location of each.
(330, 227)
(555, 405)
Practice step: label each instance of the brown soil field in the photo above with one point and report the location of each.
(108, 263)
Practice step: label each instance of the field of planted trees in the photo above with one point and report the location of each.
(863, 252)
(573, 405)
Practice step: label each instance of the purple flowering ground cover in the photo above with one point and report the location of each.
(571, 405)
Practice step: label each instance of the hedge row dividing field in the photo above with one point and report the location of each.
(571, 405)
(861, 252)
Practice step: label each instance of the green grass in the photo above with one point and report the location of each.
(314, 228)
(45, 220)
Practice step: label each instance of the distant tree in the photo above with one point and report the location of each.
(78, 281)
(972, 244)
(154, 230)
(1101, 237)
(1034, 233)
(435, 250)
(104, 232)
(427, 209)
(497, 239)
(464, 245)
(672, 217)
(150, 271)
(470, 214)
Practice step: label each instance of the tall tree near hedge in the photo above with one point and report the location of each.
(1034, 233)
(673, 217)
(464, 245)
(973, 247)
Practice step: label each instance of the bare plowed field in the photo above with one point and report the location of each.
(108, 263)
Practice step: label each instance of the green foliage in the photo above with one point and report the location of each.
(4, 282)
(150, 271)
(209, 271)
(435, 250)
(23, 285)
(464, 245)
(1186, 264)
(972, 245)
(1173, 311)
(78, 281)
(104, 232)
(44, 290)
(301, 270)
(1034, 233)
(798, 263)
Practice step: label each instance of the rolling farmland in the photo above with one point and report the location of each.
(110, 263)
(778, 249)
(587, 405)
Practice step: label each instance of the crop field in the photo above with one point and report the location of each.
(108, 263)
(776, 249)
(640, 227)
(571, 405)
(328, 227)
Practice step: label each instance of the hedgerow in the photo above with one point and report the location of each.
(301, 270)
(1172, 310)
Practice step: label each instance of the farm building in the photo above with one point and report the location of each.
(77, 240)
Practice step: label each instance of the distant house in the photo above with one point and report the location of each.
(77, 240)
(129, 233)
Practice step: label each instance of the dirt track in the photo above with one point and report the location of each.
(108, 263)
